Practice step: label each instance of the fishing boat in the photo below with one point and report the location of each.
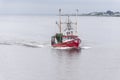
(67, 37)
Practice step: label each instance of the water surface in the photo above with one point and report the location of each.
(26, 54)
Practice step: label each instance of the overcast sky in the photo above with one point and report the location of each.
(52, 6)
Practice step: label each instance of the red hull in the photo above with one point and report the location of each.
(72, 43)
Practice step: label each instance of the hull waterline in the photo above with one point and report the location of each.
(68, 44)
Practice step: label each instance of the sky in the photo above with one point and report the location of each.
(52, 6)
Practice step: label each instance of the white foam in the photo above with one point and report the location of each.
(85, 47)
(40, 46)
(62, 48)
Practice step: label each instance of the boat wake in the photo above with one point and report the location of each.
(85, 47)
(33, 44)
(67, 48)
(61, 48)
(36, 44)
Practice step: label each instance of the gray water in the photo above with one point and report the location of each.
(26, 54)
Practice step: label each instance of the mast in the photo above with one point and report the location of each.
(60, 20)
(68, 19)
(76, 20)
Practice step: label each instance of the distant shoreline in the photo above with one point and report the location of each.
(54, 15)
(96, 14)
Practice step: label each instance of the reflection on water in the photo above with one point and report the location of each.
(69, 51)
(66, 64)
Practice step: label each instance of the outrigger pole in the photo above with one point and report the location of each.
(76, 20)
(60, 20)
